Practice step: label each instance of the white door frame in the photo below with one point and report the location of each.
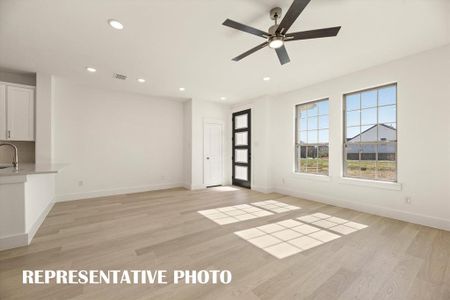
(222, 125)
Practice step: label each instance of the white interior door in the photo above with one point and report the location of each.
(213, 154)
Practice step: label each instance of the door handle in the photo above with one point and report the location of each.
(207, 157)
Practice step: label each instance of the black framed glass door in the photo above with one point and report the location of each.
(242, 148)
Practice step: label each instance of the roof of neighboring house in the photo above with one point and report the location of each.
(368, 129)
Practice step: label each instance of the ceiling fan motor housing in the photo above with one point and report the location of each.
(275, 13)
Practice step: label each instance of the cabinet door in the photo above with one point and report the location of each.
(2, 112)
(20, 113)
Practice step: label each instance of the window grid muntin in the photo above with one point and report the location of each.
(301, 109)
(378, 142)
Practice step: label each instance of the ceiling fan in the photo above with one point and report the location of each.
(277, 34)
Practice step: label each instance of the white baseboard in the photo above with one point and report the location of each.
(372, 209)
(13, 241)
(119, 191)
(262, 189)
(196, 187)
(39, 221)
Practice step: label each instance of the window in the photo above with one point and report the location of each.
(311, 155)
(370, 137)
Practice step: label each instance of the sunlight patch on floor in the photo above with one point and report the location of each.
(224, 189)
(332, 223)
(232, 214)
(275, 206)
(288, 237)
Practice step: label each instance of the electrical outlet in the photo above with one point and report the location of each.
(408, 200)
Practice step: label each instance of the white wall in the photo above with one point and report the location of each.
(115, 142)
(423, 134)
(423, 124)
(44, 118)
(187, 137)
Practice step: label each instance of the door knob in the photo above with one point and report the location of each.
(207, 157)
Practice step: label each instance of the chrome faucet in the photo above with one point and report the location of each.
(16, 155)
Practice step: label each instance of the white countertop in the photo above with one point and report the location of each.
(30, 169)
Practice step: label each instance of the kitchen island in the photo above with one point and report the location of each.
(26, 197)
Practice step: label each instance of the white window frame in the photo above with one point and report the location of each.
(297, 145)
(344, 154)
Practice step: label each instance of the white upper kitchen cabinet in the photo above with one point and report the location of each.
(2, 111)
(19, 113)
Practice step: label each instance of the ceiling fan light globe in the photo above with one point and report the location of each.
(276, 43)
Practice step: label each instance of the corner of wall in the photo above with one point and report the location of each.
(44, 118)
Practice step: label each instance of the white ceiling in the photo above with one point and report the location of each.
(181, 43)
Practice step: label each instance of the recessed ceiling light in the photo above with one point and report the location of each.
(115, 24)
(182, 89)
(266, 78)
(141, 80)
(91, 69)
(223, 98)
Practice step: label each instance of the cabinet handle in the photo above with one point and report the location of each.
(9, 134)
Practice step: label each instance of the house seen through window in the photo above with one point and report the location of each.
(311, 155)
(370, 134)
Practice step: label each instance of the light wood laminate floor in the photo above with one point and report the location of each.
(389, 259)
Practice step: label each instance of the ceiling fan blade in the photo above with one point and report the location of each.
(282, 55)
(312, 34)
(292, 14)
(253, 50)
(245, 28)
